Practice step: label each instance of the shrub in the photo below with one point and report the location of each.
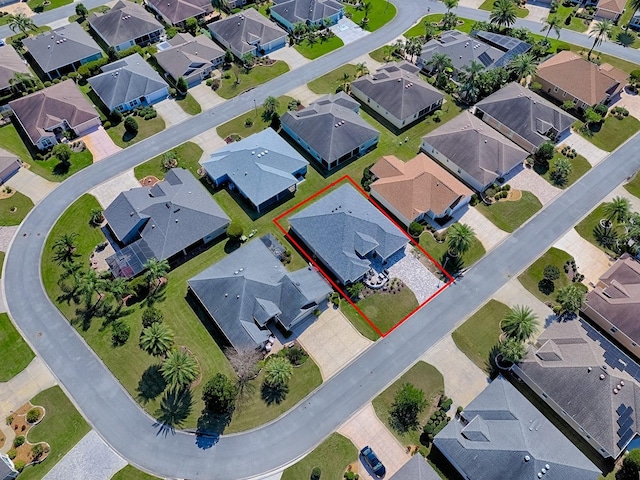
(150, 316)
(351, 475)
(12, 453)
(415, 229)
(19, 465)
(408, 403)
(172, 92)
(545, 152)
(315, 473)
(334, 297)
(37, 450)
(234, 230)
(131, 126)
(9, 420)
(551, 272)
(18, 441)
(107, 125)
(182, 85)
(601, 109)
(33, 415)
(248, 122)
(120, 333)
(170, 160)
(209, 82)
(116, 117)
(295, 355)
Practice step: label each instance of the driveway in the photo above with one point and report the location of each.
(537, 11)
(590, 260)
(106, 192)
(290, 56)
(171, 112)
(100, 144)
(304, 95)
(513, 293)
(529, 180)
(24, 386)
(488, 234)
(622, 192)
(209, 142)
(630, 101)
(33, 186)
(205, 96)
(413, 273)
(584, 147)
(348, 31)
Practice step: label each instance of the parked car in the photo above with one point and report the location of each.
(373, 461)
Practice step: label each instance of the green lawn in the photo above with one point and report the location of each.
(21, 36)
(317, 49)
(418, 29)
(508, 215)
(332, 457)
(438, 251)
(239, 126)
(381, 13)
(100, 9)
(358, 321)
(132, 473)
(423, 376)
(14, 209)
(531, 277)
(189, 154)
(257, 76)
(10, 140)
(612, 133)
(577, 24)
(488, 6)
(580, 167)
(62, 427)
(589, 224)
(15, 354)
(146, 128)
(39, 6)
(385, 310)
(189, 104)
(633, 187)
(479, 334)
(332, 80)
(2, 255)
(55, 171)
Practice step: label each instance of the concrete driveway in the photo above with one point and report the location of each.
(106, 192)
(630, 101)
(100, 144)
(304, 95)
(537, 11)
(348, 31)
(205, 96)
(513, 293)
(171, 112)
(33, 186)
(590, 260)
(290, 56)
(209, 142)
(622, 192)
(488, 234)
(24, 386)
(584, 147)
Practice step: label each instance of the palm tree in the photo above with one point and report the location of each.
(634, 6)
(562, 168)
(179, 368)
(156, 269)
(96, 217)
(345, 81)
(119, 288)
(449, 20)
(617, 210)
(277, 372)
(429, 30)
(450, 4)
(601, 31)
(503, 13)
(460, 236)
(470, 89)
(523, 66)
(21, 22)
(366, 8)
(270, 106)
(156, 339)
(571, 297)
(440, 62)
(361, 69)
(552, 22)
(299, 30)
(520, 323)
(64, 247)
(217, 5)
(511, 350)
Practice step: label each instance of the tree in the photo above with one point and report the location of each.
(278, 372)
(562, 168)
(366, 8)
(460, 236)
(156, 269)
(591, 117)
(571, 298)
(503, 13)
(219, 394)
(130, 125)
(191, 26)
(552, 22)
(450, 4)
(429, 30)
(408, 403)
(617, 210)
(244, 363)
(180, 368)
(470, 88)
(551, 273)
(248, 59)
(64, 247)
(354, 289)
(218, 4)
(120, 332)
(235, 230)
(630, 466)
(96, 217)
(545, 152)
(119, 288)
(440, 63)
(520, 323)
(82, 11)
(449, 20)
(182, 86)
(156, 339)
(270, 107)
(299, 30)
(601, 31)
(523, 66)
(22, 82)
(511, 350)
(62, 152)
(361, 69)
(150, 316)
(21, 22)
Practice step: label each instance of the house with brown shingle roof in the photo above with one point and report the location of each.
(417, 189)
(45, 115)
(10, 64)
(176, 12)
(568, 76)
(611, 9)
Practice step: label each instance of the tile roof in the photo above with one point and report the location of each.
(243, 30)
(177, 11)
(10, 64)
(616, 6)
(417, 186)
(416, 469)
(124, 22)
(301, 11)
(44, 109)
(188, 54)
(502, 436)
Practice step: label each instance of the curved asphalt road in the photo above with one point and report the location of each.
(136, 436)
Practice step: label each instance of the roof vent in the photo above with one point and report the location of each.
(236, 272)
(539, 475)
(132, 214)
(547, 467)
(602, 376)
(226, 295)
(527, 458)
(622, 382)
(241, 269)
(253, 153)
(176, 220)
(266, 151)
(589, 369)
(238, 297)
(153, 226)
(544, 470)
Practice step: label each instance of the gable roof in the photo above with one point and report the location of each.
(188, 54)
(261, 165)
(8, 159)
(342, 228)
(526, 113)
(125, 80)
(176, 11)
(398, 89)
(245, 289)
(125, 21)
(5, 470)
(61, 47)
(580, 78)
(616, 6)
(501, 435)
(10, 64)
(243, 30)
(417, 186)
(330, 128)
(302, 11)
(416, 469)
(46, 108)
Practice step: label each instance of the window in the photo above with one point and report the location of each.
(613, 329)
(555, 89)
(564, 94)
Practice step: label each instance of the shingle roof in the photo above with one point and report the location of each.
(503, 436)
(342, 228)
(61, 47)
(5, 470)
(261, 165)
(580, 78)
(46, 108)
(331, 129)
(476, 147)
(244, 29)
(417, 186)
(177, 11)
(125, 21)
(296, 11)
(10, 64)
(187, 54)
(416, 469)
(398, 90)
(616, 6)
(125, 80)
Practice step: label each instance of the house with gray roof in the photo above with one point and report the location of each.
(524, 117)
(309, 12)
(176, 12)
(397, 93)
(128, 83)
(263, 168)
(331, 130)
(165, 221)
(125, 25)
(47, 114)
(416, 469)
(249, 291)
(62, 50)
(7, 468)
(473, 151)
(590, 383)
(500, 435)
(10, 163)
(10, 64)
(248, 32)
(345, 231)
(192, 58)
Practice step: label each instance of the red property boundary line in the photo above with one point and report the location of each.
(348, 179)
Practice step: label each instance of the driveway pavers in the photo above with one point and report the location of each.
(290, 56)
(171, 112)
(528, 179)
(106, 192)
(590, 260)
(100, 144)
(24, 386)
(32, 185)
(584, 147)
(488, 234)
(414, 274)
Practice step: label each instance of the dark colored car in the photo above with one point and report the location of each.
(373, 461)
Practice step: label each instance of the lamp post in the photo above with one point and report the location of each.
(255, 106)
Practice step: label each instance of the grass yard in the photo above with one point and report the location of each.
(479, 334)
(332, 457)
(14, 209)
(612, 133)
(62, 427)
(419, 29)
(580, 167)
(576, 24)
(332, 80)
(318, 48)
(21, 36)
(439, 250)
(189, 104)
(257, 76)
(531, 277)
(10, 140)
(385, 310)
(76, 18)
(381, 13)
(55, 171)
(189, 154)
(39, 6)
(358, 321)
(132, 473)
(2, 255)
(508, 215)
(257, 123)
(15, 354)
(146, 128)
(488, 6)
(633, 187)
(586, 228)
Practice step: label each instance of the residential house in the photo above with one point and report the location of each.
(263, 168)
(192, 58)
(346, 232)
(10, 64)
(397, 93)
(249, 292)
(500, 435)
(125, 25)
(331, 130)
(308, 12)
(176, 12)
(568, 77)
(588, 382)
(634, 23)
(47, 114)
(473, 151)
(417, 190)
(128, 83)
(166, 221)
(614, 304)
(9, 165)
(62, 50)
(524, 117)
(611, 9)
(248, 32)
(7, 468)
(416, 469)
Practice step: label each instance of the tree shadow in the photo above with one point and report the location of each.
(128, 136)
(175, 407)
(209, 428)
(273, 395)
(490, 365)
(61, 168)
(151, 384)
(546, 286)
(452, 265)
(155, 296)
(231, 245)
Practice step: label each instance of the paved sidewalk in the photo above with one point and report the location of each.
(24, 386)
(488, 234)
(584, 147)
(171, 112)
(529, 180)
(590, 260)
(6, 234)
(100, 144)
(513, 293)
(33, 186)
(205, 96)
(106, 192)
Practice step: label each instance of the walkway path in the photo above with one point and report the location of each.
(6, 234)
(24, 386)
(33, 186)
(488, 234)
(590, 260)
